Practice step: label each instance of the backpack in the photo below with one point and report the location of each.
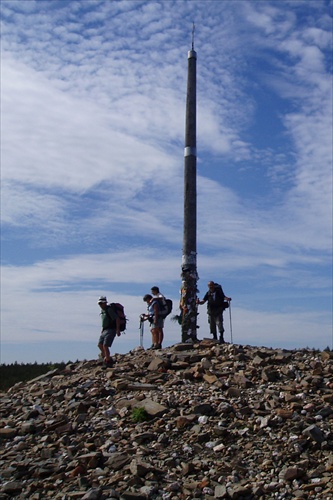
(121, 314)
(225, 303)
(165, 306)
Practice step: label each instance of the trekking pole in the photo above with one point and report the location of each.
(230, 322)
(141, 331)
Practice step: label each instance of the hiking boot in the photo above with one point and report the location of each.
(222, 341)
(109, 363)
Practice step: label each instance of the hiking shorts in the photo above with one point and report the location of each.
(159, 324)
(107, 337)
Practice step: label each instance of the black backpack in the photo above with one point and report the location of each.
(165, 306)
(225, 303)
(120, 311)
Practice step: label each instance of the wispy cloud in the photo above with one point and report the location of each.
(93, 110)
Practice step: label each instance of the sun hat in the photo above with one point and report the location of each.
(102, 299)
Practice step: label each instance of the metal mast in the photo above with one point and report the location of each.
(189, 259)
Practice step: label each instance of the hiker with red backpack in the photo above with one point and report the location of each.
(217, 302)
(111, 326)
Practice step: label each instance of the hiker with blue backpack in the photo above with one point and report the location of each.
(155, 291)
(158, 309)
(155, 320)
(111, 326)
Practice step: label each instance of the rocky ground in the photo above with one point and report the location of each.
(226, 421)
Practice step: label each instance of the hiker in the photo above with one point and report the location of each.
(156, 322)
(110, 328)
(215, 299)
(155, 291)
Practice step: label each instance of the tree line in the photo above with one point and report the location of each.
(15, 372)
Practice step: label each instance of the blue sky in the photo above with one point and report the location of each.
(93, 100)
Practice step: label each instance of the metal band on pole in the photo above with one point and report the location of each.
(188, 151)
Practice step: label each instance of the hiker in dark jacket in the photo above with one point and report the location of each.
(215, 299)
(110, 328)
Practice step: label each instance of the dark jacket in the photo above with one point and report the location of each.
(215, 300)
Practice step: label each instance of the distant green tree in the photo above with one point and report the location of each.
(15, 372)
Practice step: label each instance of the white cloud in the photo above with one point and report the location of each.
(67, 143)
(93, 118)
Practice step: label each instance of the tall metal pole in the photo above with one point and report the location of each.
(189, 259)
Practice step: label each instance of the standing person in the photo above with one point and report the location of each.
(155, 291)
(215, 299)
(110, 328)
(156, 322)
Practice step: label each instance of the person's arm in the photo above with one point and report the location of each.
(155, 312)
(118, 326)
(203, 300)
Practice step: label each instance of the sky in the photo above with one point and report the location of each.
(93, 97)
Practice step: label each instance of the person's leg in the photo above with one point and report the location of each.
(160, 337)
(100, 344)
(108, 341)
(219, 323)
(160, 333)
(107, 356)
(212, 324)
(154, 336)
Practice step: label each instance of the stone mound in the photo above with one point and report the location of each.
(191, 421)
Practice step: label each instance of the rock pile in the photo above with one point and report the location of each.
(191, 421)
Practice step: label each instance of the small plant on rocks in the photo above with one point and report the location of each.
(139, 415)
